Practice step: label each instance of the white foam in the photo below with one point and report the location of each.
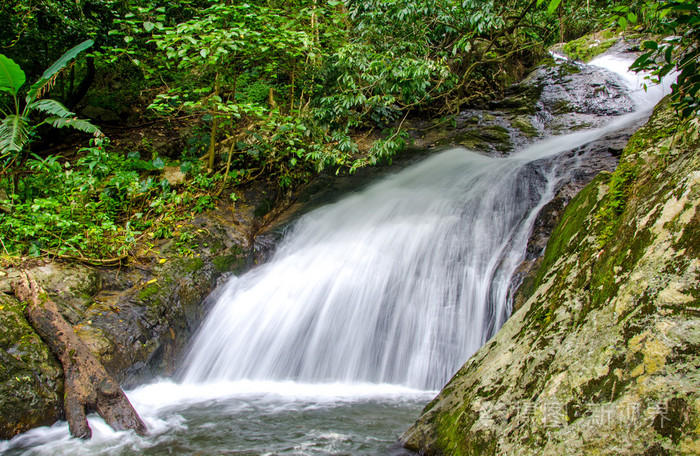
(149, 399)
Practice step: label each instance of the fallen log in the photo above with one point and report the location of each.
(88, 387)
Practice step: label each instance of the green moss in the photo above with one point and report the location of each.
(191, 264)
(561, 240)
(523, 124)
(590, 46)
(451, 429)
(30, 376)
(229, 263)
(561, 107)
(486, 138)
(148, 292)
(609, 215)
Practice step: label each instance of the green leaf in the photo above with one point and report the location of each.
(55, 68)
(11, 75)
(14, 131)
(62, 61)
(553, 5)
(668, 55)
(52, 107)
(73, 122)
(148, 26)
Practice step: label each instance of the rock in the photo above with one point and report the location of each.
(524, 124)
(31, 379)
(589, 46)
(175, 177)
(557, 97)
(100, 114)
(603, 357)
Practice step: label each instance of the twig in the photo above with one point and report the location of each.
(116, 261)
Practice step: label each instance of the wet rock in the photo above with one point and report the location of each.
(31, 379)
(525, 126)
(558, 97)
(100, 114)
(602, 357)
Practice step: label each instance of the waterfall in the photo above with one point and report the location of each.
(366, 308)
(399, 283)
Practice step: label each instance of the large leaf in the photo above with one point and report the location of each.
(73, 122)
(11, 75)
(56, 67)
(553, 5)
(14, 131)
(52, 107)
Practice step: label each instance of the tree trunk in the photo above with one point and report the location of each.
(88, 387)
(214, 131)
(84, 86)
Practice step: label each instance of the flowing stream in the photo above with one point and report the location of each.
(366, 309)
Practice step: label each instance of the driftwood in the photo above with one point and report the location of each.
(88, 387)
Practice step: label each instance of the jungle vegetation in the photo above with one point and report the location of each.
(264, 90)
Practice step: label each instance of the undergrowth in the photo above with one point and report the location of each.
(97, 207)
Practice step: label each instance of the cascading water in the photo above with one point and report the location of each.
(367, 306)
(398, 284)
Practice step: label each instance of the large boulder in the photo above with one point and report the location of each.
(31, 379)
(604, 356)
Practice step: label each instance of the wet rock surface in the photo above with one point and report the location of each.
(602, 357)
(558, 97)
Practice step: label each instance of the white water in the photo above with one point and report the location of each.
(397, 284)
(369, 304)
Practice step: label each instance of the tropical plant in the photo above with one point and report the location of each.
(679, 23)
(16, 128)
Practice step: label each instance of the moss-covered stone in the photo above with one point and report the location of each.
(229, 263)
(486, 138)
(590, 46)
(31, 378)
(603, 357)
(524, 125)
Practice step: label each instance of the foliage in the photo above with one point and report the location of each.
(275, 90)
(679, 23)
(16, 129)
(97, 207)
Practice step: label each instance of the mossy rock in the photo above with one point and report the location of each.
(602, 358)
(486, 138)
(590, 46)
(524, 125)
(31, 378)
